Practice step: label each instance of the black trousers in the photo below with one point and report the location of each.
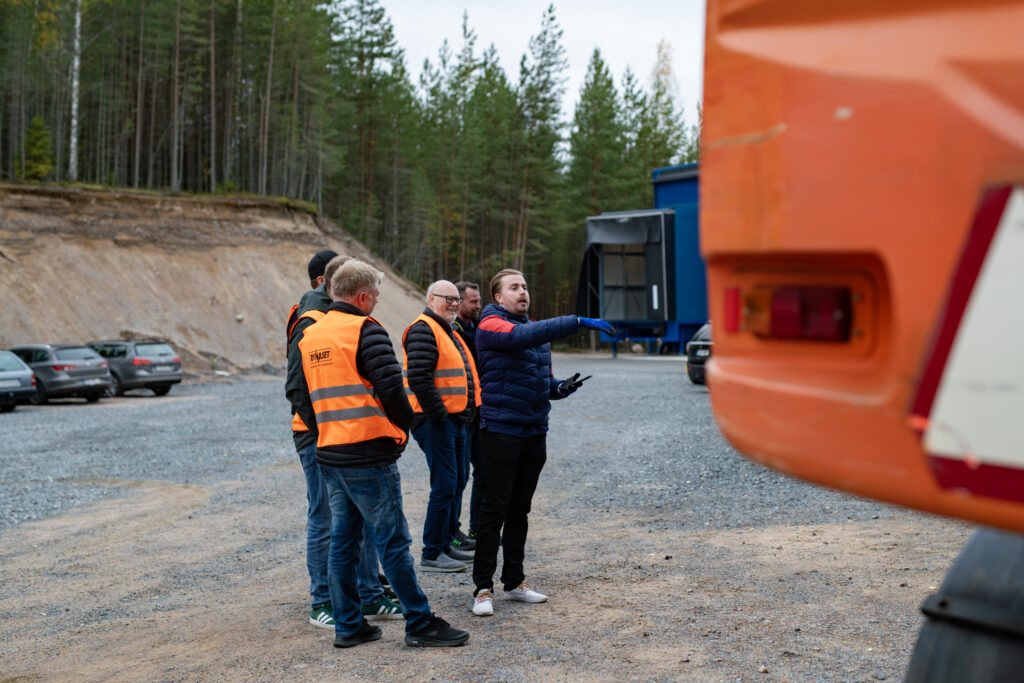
(510, 467)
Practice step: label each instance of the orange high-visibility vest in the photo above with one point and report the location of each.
(347, 408)
(297, 424)
(450, 372)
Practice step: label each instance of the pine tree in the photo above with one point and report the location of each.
(492, 140)
(635, 164)
(597, 144)
(38, 151)
(662, 131)
(371, 82)
(541, 88)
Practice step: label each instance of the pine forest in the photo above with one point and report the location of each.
(463, 172)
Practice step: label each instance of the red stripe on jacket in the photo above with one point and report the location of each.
(494, 323)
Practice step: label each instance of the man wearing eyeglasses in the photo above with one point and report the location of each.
(444, 392)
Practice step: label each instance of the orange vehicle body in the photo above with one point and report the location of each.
(854, 145)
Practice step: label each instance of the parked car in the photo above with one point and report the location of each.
(17, 383)
(698, 352)
(150, 364)
(64, 370)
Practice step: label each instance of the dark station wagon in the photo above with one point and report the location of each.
(146, 364)
(64, 370)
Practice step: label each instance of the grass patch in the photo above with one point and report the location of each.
(288, 202)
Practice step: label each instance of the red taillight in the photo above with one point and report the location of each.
(33, 380)
(104, 364)
(791, 312)
(732, 309)
(177, 359)
(66, 366)
(821, 313)
(141, 361)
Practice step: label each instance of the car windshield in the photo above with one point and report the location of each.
(76, 353)
(153, 350)
(8, 361)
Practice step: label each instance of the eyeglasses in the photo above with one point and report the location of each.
(449, 299)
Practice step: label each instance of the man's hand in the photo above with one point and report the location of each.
(570, 385)
(598, 324)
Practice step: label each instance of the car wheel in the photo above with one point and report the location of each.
(40, 398)
(695, 377)
(161, 391)
(8, 407)
(115, 386)
(92, 398)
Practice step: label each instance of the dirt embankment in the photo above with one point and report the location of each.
(214, 276)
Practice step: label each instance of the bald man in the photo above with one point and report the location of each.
(444, 392)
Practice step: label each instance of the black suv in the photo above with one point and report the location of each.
(149, 364)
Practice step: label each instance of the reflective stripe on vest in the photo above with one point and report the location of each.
(347, 408)
(297, 424)
(449, 373)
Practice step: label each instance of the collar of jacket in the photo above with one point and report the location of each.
(462, 324)
(345, 307)
(445, 325)
(503, 311)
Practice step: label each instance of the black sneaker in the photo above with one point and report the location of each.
(438, 633)
(472, 534)
(463, 542)
(366, 633)
(383, 580)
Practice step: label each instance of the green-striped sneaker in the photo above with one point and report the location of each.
(322, 616)
(382, 608)
(463, 542)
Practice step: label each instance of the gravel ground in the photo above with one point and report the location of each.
(129, 524)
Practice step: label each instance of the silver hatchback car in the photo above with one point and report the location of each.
(148, 364)
(64, 370)
(17, 383)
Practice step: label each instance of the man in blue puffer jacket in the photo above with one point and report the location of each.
(517, 387)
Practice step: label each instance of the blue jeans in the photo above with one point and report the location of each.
(318, 539)
(444, 444)
(369, 500)
(462, 478)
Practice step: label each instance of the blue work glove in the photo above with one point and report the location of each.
(566, 387)
(597, 324)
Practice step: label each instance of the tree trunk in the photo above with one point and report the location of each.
(231, 111)
(139, 98)
(76, 63)
(175, 182)
(213, 102)
(151, 156)
(265, 142)
(465, 228)
(292, 152)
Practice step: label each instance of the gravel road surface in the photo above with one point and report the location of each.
(147, 538)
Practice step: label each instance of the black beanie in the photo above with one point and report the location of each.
(318, 264)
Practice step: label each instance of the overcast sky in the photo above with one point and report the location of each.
(626, 33)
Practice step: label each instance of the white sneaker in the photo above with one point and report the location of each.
(483, 603)
(525, 594)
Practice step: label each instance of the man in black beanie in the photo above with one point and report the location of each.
(316, 268)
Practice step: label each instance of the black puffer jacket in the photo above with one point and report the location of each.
(421, 355)
(314, 299)
(376, 361)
